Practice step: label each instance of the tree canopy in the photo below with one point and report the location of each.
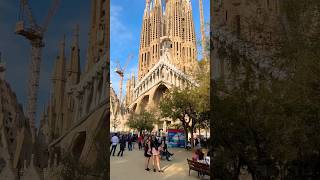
(267, 119)
(142, 121)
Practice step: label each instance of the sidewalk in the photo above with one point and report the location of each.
(131, 166)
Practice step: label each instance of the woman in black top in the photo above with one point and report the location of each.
(147, 151)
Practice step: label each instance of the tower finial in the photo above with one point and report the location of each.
(76, 34)
(62, 46)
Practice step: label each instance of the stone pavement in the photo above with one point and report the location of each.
(131, 166)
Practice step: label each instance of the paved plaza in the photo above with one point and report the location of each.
(131, 166)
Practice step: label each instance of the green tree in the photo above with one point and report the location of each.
(177, 105)
(190, 106)
(266, 119)
(143, 121)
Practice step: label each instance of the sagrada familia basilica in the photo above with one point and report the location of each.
(76, 112)
(167, 56)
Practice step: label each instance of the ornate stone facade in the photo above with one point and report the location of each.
(72, 120)
(250, 28)
(176, 23)
(167, 56)
(14, 133)
(118, 113)
(78, 108)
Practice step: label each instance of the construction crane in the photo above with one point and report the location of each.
(120, 71)
(34, 33)
(203, 39)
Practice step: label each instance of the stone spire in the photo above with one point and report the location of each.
(59, 81)
(74, 66)
(203, 38)
(59, 69)
(43, 117)
(147, 8)
(157, 3)
(174, 22)
(97, 35)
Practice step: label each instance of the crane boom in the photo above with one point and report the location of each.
(34, 33)
(51, 13)
(120, 71)
(26, 8)
(127, 61)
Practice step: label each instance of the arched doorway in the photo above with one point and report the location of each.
(134, 107)
(158, 94)
(79, 144)
(144, 102)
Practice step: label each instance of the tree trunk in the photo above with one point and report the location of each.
(186, 137)
(192, 138)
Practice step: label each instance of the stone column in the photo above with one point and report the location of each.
(104, 85)
(95, 93)
(86, 96)
(76, 108)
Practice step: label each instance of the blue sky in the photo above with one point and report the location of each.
(126, 22)
(16, 50)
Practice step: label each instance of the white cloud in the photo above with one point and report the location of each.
(120, 34)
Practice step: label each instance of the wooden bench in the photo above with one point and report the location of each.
(202, 169)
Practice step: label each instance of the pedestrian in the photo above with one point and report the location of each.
(129, 142)
(196, 142)
(140, 142)
(114, 141)
(166, 152)
(147, 152)
(122, 145)
(155, 148)
(134, 139)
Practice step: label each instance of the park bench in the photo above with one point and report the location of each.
(202, 169)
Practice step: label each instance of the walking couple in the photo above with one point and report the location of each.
(114, 142)
(152, 150)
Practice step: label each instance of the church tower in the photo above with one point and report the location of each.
(171, 20)
(144, 54)
(98, 36)
(74, 65)
(59, 83)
